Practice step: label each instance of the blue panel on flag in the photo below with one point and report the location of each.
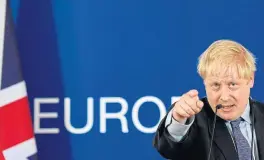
(11, 73)
(33, 157)
(37, 46)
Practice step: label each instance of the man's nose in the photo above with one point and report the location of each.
(225, 94)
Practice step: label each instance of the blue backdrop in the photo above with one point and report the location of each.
(114, 53)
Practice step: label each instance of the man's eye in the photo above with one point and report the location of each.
(215, 85)
(232, 84)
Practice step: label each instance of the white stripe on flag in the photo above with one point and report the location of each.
(21, 151)
(12, 93)
(2, 34)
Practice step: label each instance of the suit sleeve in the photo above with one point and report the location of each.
(176, 129)
(168, 146)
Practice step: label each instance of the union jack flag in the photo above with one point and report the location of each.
(17, 140)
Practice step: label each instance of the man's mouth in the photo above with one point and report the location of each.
(227, 108)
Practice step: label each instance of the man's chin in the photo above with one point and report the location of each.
(228, 116)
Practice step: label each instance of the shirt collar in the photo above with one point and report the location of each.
(246, 114)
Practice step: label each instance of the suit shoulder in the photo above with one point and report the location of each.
(257, 104)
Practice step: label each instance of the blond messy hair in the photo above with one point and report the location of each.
(226, 55)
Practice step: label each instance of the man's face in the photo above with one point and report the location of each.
(230, 91)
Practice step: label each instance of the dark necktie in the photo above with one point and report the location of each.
(243, 147)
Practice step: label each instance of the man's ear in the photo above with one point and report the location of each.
(251, 81)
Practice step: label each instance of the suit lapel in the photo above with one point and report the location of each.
(257, 111)
(223, 140)
(222, 137)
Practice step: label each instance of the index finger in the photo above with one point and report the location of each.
(192, 93)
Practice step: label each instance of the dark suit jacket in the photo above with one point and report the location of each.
(195, 144)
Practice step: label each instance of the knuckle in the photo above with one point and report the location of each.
(190, 111)
(191, 102)
(177, 105)
(187, 101)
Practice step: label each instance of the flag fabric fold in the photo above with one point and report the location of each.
(17, 141)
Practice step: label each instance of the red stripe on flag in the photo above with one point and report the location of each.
(2, 156)
(15, 123)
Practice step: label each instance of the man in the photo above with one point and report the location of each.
(227, 70)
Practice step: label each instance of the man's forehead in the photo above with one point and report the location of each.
(224, 77)
(224, 73)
